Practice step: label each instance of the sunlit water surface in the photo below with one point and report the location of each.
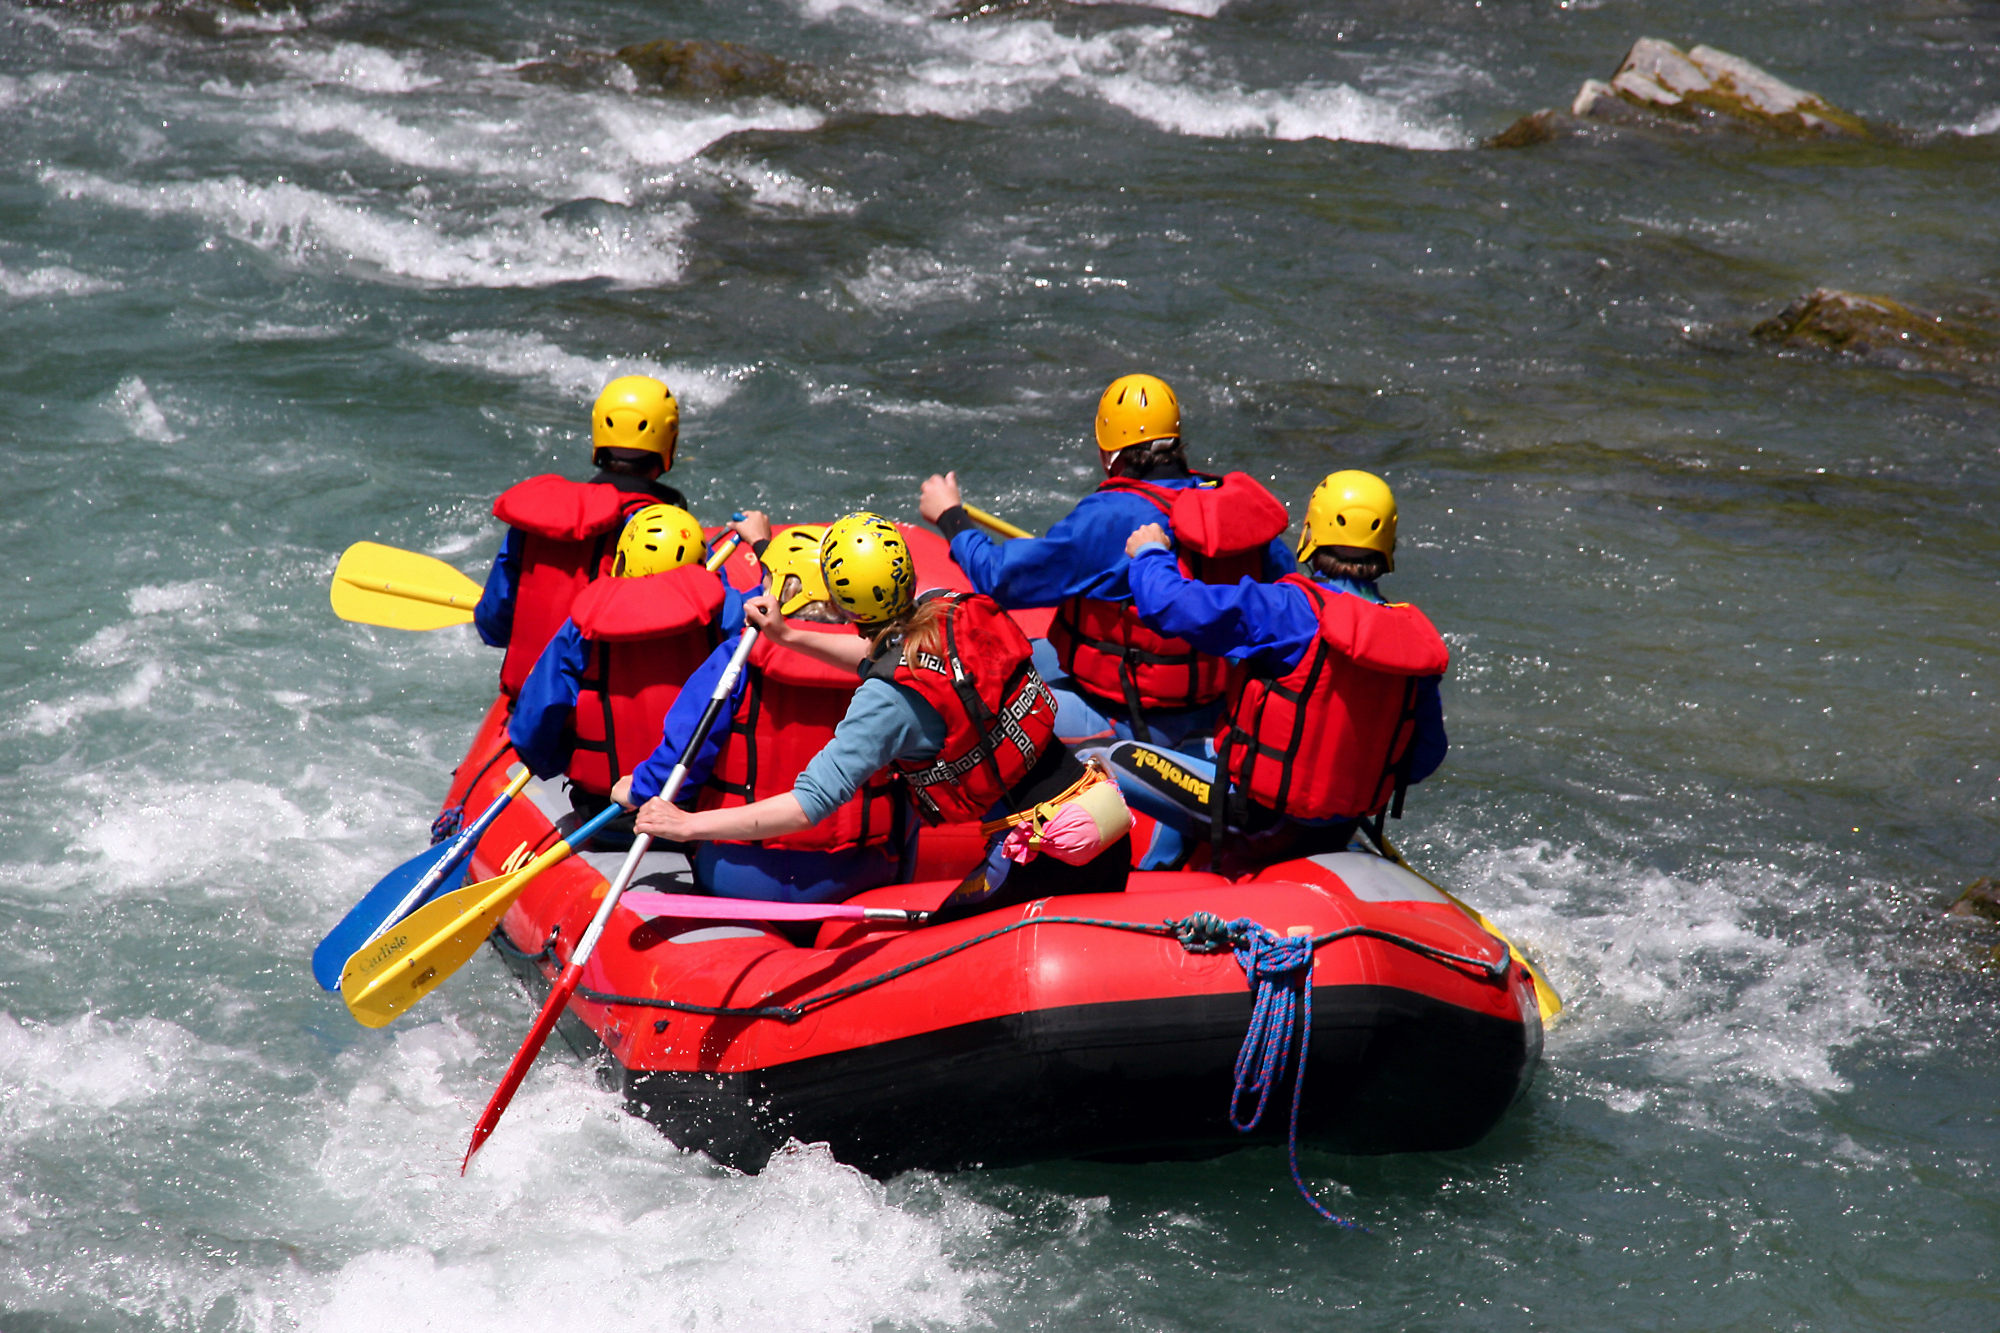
(1724, 623)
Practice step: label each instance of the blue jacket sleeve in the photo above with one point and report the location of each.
(1237, 622)
(650, 778)
(1084, 553)
(1279, 561)
(539, 728)
(494, 616)
(1428, 746)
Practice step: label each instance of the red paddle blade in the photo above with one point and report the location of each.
(524, 1060)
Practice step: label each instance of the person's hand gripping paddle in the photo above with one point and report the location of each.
(566, 984)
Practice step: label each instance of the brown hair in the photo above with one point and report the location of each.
(1351, 563)
(819, 613)
(1154, 458)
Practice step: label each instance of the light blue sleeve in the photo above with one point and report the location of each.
(884, 722)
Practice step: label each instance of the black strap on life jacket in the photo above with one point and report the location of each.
(600, 658)
(1025, 688)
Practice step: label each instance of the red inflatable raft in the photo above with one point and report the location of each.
(1074, 1026)
(1046, 1040)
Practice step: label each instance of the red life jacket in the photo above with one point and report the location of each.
(789, 708)
(647, 636)
(1221, 527)
(1327, 739)
(1000, 719)
(570, 536)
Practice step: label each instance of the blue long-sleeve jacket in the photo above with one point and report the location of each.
(539, 729)
(494, 616)
(1082, 555)
(1268, 620)
(884, 722)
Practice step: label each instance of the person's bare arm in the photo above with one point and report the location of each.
(771, 817)
(839, 650)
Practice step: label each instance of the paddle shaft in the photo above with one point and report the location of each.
(410, 592)
(572, 974)
(461, 848)
(417, 954)
(993, 524)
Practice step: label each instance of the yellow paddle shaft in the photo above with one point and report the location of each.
(415, 593)
(999, 527)
(413, 957)
(724, 551)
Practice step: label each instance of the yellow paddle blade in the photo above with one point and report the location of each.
(999, 527)
(413, 957)
(381, 585)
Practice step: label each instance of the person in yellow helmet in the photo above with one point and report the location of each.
(950, 702)
(594, 702)
(1333, 706)
(1115, 677)
(783, 712)
(561, 534)
(1121, 679)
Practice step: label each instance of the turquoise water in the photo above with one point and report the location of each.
(272, 281)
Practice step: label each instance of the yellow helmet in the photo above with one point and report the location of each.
(656, 539)
(794, 553)
(1134, 410)
(1351, 509)
(636, 412)
(868, 570)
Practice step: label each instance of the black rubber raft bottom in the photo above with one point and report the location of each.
(1391, 1071)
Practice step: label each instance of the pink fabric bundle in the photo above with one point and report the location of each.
(1078, 830)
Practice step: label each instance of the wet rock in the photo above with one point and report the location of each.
(706, 68)
(1885, 331)
(690, 68)
(1660, 86)
(1981, 899)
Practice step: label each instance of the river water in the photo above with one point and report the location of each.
(276, 280)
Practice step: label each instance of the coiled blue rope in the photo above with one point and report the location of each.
(1279, 970)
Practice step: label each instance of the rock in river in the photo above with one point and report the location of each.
(1981, 898)
(1884, 330)
(689, 68)
(1660, 86)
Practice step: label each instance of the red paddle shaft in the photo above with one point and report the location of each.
(566, 984)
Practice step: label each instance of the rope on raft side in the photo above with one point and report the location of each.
(1278, 969)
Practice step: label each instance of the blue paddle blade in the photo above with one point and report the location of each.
(372, 912)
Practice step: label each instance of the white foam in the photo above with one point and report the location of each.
(54, 280)
(364, 68)
(1206, 9)
(1987, 122)
(57, 1071)
(898, 279)
(516, 248)
(1150, 72)
(133, 403)
(1221, 111)
(1688, 976)
(578, 1218)
(663, 134)
(530, 356)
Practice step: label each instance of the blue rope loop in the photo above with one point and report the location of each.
(447, 824)
(1279, 969)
